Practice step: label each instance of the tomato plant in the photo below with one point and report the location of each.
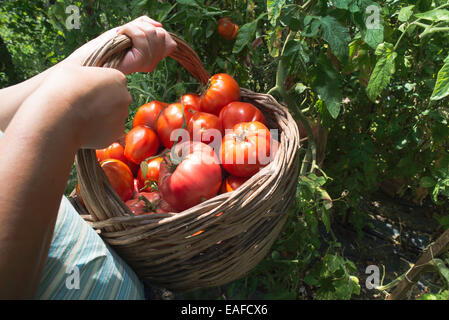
(365, 80)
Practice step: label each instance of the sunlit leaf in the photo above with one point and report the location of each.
(405, 13)
(274, 8)
(246, 34)
(435, 15)
(384, 69)
(441, 89)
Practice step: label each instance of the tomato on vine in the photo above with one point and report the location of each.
(227, 29)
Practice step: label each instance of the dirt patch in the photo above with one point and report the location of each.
(399, 230)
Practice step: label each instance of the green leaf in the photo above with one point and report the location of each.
(327, 85)
(384, 69)
(427, 182)
(373, 37)
(441, 88)
(435, 15)
(342, 4)
(274, 8)
(405, 13)
(311, 280)
(191, 3)
(246, 34)
(314, 27)
(144, 168)
(371, 29)
(325, 217)
(336, 35)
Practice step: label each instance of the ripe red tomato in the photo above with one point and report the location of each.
(222, 90)
(190, 174)
(237, 112)
(205, 127)
(136, 190)
(120, 177)
(100, 155)
(152, 174)
(246, 149)
(231, 183)
(148, 113)
(192, 99)
(172, 118)
(227, 29)
(116, 151)
(148, 203)
(141, 143)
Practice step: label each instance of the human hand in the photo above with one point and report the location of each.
(151, 44)
(87, 104)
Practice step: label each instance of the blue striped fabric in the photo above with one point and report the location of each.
(81, 266)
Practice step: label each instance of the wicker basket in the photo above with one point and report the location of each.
(199, 247)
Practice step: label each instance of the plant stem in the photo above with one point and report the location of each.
(281, 76)
(416, 22)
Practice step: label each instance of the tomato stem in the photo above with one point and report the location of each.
(150, 206)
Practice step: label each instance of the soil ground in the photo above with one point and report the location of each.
(397, 233)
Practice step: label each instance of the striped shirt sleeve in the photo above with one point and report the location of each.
(81, 266)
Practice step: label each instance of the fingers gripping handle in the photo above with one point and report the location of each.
(111, 53)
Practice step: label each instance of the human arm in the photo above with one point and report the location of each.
(151, 43)
(76, 107)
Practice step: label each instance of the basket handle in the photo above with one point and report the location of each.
(111, 53)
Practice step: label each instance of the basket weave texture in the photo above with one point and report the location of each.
(215, 242)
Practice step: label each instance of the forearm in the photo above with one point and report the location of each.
(36, 157)
(11, 98)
